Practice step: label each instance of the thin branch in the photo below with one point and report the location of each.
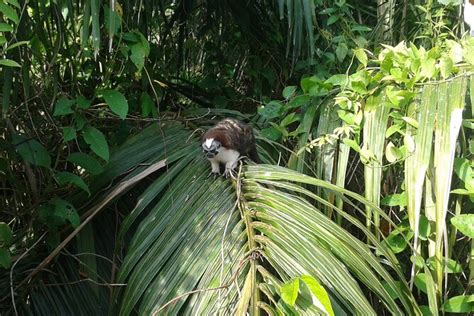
(12, 291)
(119, 189)
(84, 280)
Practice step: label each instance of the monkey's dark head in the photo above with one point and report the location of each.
(211, 147)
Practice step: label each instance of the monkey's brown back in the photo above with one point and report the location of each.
(233, 134)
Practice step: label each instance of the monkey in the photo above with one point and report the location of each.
(226, 142)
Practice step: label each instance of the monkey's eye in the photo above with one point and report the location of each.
(218, 146)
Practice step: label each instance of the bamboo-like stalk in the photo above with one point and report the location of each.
(375, 124)
(342, 161)
(416, 163)
(449, 119)
(326, 154)
(297, 162)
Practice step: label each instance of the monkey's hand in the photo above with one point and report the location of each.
(229, 173)
(214, 174)
(215, 169)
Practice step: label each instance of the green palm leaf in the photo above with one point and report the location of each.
(215, 246)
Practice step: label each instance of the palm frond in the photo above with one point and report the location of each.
(196, 252)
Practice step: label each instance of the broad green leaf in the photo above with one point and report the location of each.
(65, 177)
(341, 51)
(63, 107)
(131, 37)
(361, 56)
(428, 68)
(66, 211)
(272, 110)
(319, 292)
(409, 142)
(147, 105)
(271, 133)
(446, 67)
(465, 224)
(9, 63)
(351, 143)
(467, 50)
(392, 153)
(5, 258)
(289, 91)
(465, 172)
(459, 304)
(298, 101)
(425, 310)
(468, 123)
(69, 133)
(138, 55)
(310, 83)
(9, 13)
(395, 200)
(289, 119)
(332, 19)
(14, 3)
(116, 102)
(5, 234)
(396, 241)
(338, 80)
(97, 142)
(83, 103)
(462, 192)
(411, 121)
(419, 261)
(420, 282)
(87, 162)
(394, 95)
(32, 151)
(145, 43)
(425, 228)
(452, 267)
(4, 27)
(289, 291)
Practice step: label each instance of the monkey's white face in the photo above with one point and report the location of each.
(211, 147)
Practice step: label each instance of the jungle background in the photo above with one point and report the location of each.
(363, 116)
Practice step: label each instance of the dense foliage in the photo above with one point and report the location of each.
(363, 113)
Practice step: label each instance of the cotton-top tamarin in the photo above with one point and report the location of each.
(226, 142)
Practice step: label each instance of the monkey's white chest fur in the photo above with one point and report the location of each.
(228, 157)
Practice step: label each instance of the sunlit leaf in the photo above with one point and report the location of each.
(9, 12)
(459, 304)
(361, 55)
(289, 291)
(464, 223)
(319, 292)
(9, 62)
